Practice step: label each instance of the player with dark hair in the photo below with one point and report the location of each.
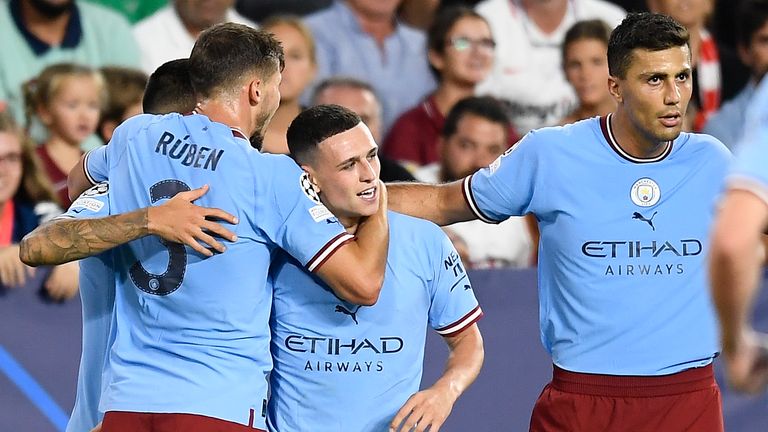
(363, 364)
(193, 325)
(625, 312)
(169, 89)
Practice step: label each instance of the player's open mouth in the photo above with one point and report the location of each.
(368, 194)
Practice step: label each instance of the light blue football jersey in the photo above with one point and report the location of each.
(750, 169)
(192, 332)
(97, 295)
(346, 368)
(622, 257)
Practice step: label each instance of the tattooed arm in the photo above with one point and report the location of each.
(178, 220)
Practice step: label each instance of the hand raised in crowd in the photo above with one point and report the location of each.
(746, 365)
(13, 272)
(181, 221)
(62, 284)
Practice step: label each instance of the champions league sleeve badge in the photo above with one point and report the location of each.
(645, 192)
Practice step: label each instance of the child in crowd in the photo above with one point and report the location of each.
(67, 98)
(125, 89)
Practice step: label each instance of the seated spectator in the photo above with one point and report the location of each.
(125, 89)
(68, 99)
(727, 124)
(360, 97)
(527, 73)
(38, 33)
(585, 62)
(476, 133)
(717, 72)
(461, 55)
(363, 39)
(171, 32)
(26, 201)
(299, 71)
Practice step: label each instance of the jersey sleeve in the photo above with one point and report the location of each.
(453, 304)
(98, 161)
(303, 227)
(506, 187)
(749, 169)
(92, 203)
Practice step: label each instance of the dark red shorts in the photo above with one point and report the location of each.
(576, 402)
(121, 421)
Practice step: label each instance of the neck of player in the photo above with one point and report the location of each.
(633, 139)
(228, 112)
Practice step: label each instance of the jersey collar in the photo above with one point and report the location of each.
(605, 127)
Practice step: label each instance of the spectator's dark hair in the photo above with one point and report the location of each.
(588, 29)
(342, 81)
(225, 54)
(752, 16)
(169, 89)
(314, 125)
(125, 87)
(486, 107)
(646, 31)
(437, 34)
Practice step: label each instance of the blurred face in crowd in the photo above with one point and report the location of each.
(375, 9)
(755, 56)
(689, 13)
(655, 92)
(468, 53)
(52, 8)
(360, 101)
(73, 112)
(476, 143)
(10, 165)
(586, 69)
(201, 14)
(345, 169)
(300, 66)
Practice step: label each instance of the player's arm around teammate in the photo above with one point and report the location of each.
(429, 408)
(442, 204)
(179, 220)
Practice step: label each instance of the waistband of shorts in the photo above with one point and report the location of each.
(687, 381)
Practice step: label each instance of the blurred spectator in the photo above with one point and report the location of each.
(68, 99)
(727, 124)
(38, 33)
(169, 89)
(717, 72)
(260, 10)
(26, 201)
(363, 39)
(528, 74)
(476, 133)
(461, 55)
(134, 10)
(360, 97)
(170, 33)
(125, 89)
(418, 13)
(585, 62)
(299, 71)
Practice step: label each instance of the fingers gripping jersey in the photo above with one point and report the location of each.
(195, 326)
(97, 295)
(622, 256)
(342, 367)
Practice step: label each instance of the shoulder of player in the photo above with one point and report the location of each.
(402, 226)
(556, 136)
(702, 143)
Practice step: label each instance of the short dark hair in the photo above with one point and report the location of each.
(752, 15)
(593, 29)
(169, 89)
(314, 125)
(437, 34)
(647, 31)
(486, 107)
(225, 53)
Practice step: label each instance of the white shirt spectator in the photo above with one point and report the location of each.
(507, 244)
(527, 72)
(163, 37)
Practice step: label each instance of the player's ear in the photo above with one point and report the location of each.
(254, 91)
(614, 88)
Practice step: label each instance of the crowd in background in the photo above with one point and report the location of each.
(444, 86)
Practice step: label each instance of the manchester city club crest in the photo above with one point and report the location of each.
(645, 192)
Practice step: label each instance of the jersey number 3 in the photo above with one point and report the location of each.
(169, 281)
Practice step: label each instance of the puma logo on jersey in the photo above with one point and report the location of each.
(345, 311)
(638, 216)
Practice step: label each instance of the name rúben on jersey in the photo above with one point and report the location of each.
(189, 154)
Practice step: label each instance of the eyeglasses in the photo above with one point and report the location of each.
(10, 159)
(465, 43)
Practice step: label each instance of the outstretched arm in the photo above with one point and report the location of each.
(736, 257)
(428, 409)
(77, 181)
(178, 220)
(442, 204)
